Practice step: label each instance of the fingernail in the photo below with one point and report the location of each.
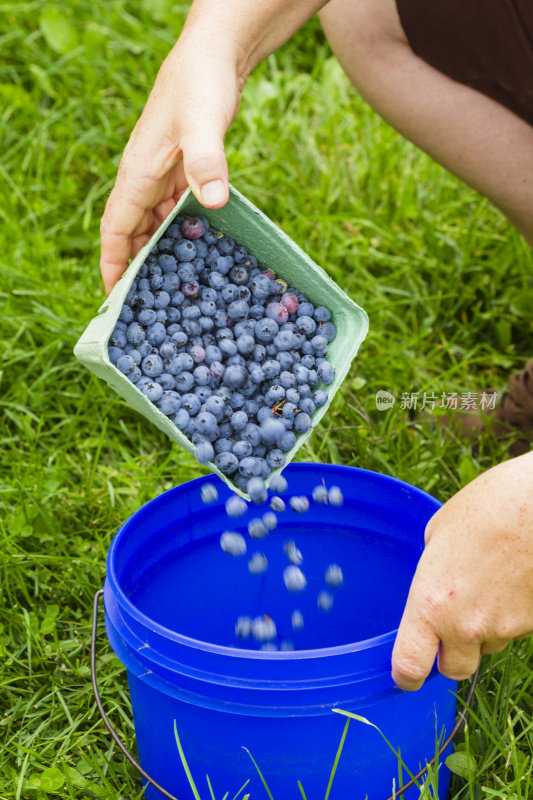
(213, 192)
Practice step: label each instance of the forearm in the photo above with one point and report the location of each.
(249, 30)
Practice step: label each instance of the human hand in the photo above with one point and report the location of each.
(178, 141)
(473, 588)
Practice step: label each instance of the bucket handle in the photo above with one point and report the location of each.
(131, 759)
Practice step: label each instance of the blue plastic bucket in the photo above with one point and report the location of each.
(171, 600)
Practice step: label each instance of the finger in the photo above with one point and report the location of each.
(458, 660)
(205, 166)
(414, 652)
(494, 646)
(138, 242)
(122, 218)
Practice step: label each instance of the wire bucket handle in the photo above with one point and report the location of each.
(133, 762)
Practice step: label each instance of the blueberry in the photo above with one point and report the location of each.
(293, 554)
(307, 405)
(135, 374)
(238, 310)
(234, 376)
(297, 620)
(146, 316)
(320, 397)
(278, 483)
(152, 390)
(156, 334)
(272, 430)
(276, 459)
(235, 505)
(118, 339)
(285, 360)
(287, 441)
(334, 575)
(277, 504)
(243, 627)
(217, 370)
(193, 227)
(167, 263)
(233, 543)
(239, 420)
(242, 449)
(266, 329)
(184, 382)
(335, 497)
(245, 344)
(210, 236)
(236, 400)
(264, 628)
(184, 250)
(215, 405)
(191, 403)
(152, 365)
(277, 312)
(144, 299)
(320, 494)
(306, 325)
(324, 600)
(239, 274)
(328, 330)
(126, 314)
(269, 520)
(223, 445)
(257, 490)
(293, 396)
(181, 419)
(302, 422)
(320, 345)
(204, 452)
(300, 504)
(258, 563)
(257, 528)
(169, 403)
(294, 579)
(165, 244)
(326, 372)
(202, 375)
(252, 433)
(166, 380)
(322, 314)
(115, 353)
(226, 462)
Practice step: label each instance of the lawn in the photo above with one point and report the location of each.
(446, 281)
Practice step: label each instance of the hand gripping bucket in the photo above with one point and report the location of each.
(171, 599)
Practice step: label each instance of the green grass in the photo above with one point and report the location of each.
(444, 278)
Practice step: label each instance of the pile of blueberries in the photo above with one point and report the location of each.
(262, 629)
(229, 352)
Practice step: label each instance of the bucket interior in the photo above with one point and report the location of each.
(174, 571)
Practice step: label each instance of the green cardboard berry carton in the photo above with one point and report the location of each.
(274, 250)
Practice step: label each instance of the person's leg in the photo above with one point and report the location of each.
(473, 136)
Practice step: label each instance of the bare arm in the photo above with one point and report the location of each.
(178, 140)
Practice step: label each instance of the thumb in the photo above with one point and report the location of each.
(206, 168)
(414, 651)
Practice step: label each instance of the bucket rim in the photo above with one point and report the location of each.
(383, 639)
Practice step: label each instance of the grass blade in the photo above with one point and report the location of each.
(185, 765)
(211, 792)
(301, 788)
(337, 757)
(241, 789)
(367, 722)
(259, 773)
